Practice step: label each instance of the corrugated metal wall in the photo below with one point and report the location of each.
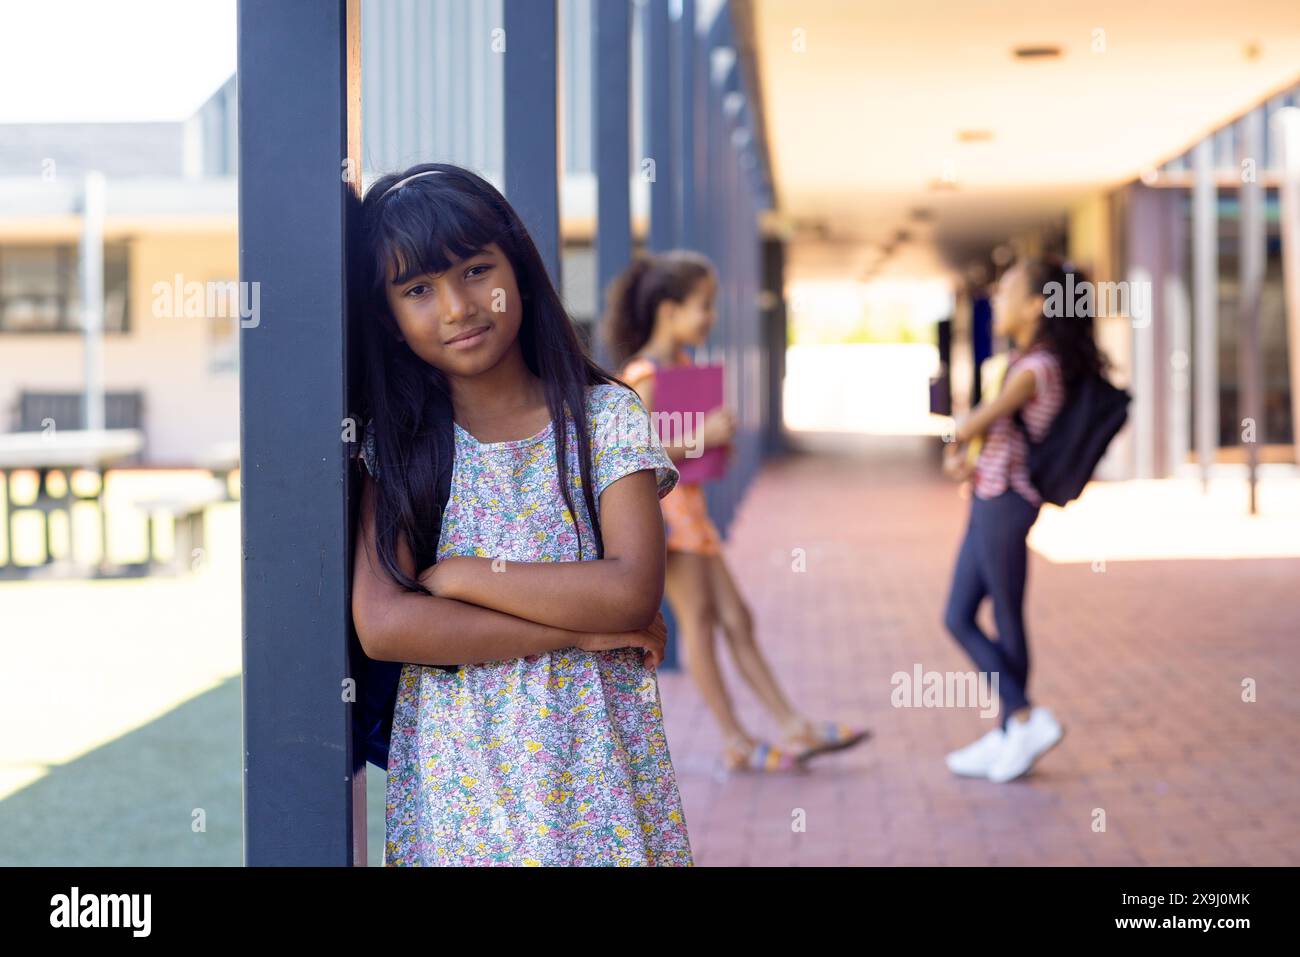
(431, 85)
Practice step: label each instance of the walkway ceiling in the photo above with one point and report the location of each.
(907, 138)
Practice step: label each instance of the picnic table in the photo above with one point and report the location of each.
(93, 450)
(98, 451)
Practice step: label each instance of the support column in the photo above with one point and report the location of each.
(1252, 249)
(656, 80)
(532, 178)
(684, 65)
(1286, 124)
(1205, 304)
(92, 299)
(299, 161)
(612, 149)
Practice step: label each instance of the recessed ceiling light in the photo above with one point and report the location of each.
(974, 136)
(1036, 52)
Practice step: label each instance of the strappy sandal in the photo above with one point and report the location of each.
(829, 736)
(761, 757)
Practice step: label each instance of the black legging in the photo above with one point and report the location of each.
(994, 561)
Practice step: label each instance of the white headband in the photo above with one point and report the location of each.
(402, 182)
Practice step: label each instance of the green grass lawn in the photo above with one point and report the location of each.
(123, 718)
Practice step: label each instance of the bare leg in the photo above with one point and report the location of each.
(738, 626)
(686, 585)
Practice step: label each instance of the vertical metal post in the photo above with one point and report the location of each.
(92, 299)
(1205, 304)
(774, 343)
(1252, 242)
(299, 162)
(612, 148)
(92, 331)
(656, 82)
(1286, 125)
(532, 175)
(1151, 241)
(1179, 392)
(684, 66)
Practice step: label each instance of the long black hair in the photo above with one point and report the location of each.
(419, 228)
(633, 299)
(1067, 332)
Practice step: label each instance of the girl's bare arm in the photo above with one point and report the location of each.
(1018, 390)
(398, 625)
(620, 592)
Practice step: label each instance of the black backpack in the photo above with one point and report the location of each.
(1061, 465)
(377, 681)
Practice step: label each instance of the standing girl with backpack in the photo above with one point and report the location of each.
(1053, 351)
(660, 305)
(527, 727)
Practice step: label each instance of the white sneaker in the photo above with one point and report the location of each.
(1025, 743)
(974, 760)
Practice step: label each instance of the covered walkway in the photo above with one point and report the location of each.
(1143, 663)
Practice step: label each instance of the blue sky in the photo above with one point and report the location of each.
(112, 60)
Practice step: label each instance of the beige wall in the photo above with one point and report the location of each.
(188, 408)
(1089, 237)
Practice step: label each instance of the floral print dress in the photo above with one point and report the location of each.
(558, 758)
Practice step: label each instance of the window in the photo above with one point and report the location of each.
(223, 318)
(40, 291)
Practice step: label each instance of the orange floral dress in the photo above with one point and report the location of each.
(685, 509)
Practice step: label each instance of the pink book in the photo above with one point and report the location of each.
(690, 389)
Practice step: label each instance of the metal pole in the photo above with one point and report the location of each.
(92, 331)
(532, 174)
(1252, 243)
(656, 67)
(1179, 390)
(1286, 124)
(300, 173)
(612, 148)
(92, 299)
(1205, 304)
(684, 65)
(1145, 268)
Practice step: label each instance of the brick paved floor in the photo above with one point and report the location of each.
(1143, 664)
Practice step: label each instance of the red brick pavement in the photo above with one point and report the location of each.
(1143, 665)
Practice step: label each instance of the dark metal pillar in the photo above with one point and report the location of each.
(299, 124)
(656, 82)
(683, 70)
(532, 182)
(612, 148)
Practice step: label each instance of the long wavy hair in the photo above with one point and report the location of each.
(632, 301)
(1070, 336)
(419, 228)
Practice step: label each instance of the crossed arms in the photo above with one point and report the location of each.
(480, 614)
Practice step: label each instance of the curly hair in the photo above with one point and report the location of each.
(1069, 334)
